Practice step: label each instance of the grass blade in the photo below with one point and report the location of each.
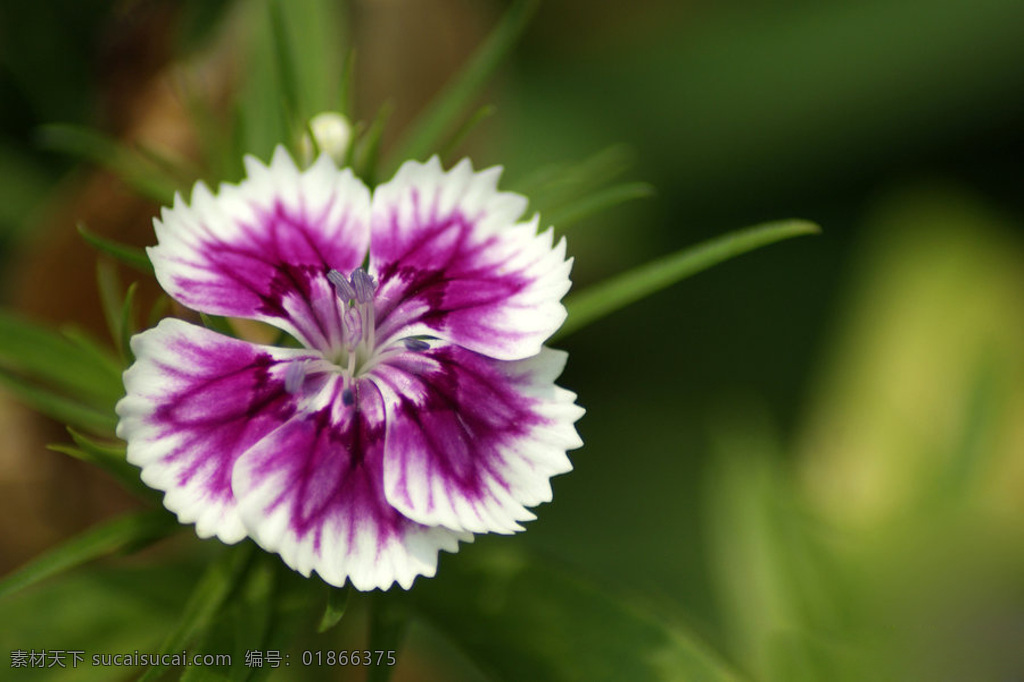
(30, 350)
(619, 291)
(120, 160)
(205, 602)
(129, 255)
(450, 104)
(599, 201)
(63, 409)
(94, 543)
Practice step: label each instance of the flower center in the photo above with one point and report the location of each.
(357, 319)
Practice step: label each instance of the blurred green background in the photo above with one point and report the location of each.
(812, 457)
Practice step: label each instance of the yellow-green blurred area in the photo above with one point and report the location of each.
(813, 456)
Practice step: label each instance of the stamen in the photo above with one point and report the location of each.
(415, 344)
(341, 286)
(295, 377)
(364, 285)
(347, 397)
(352, 322)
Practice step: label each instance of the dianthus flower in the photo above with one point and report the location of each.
(421, 407)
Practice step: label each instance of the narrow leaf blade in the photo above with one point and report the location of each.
(129, 255)
(94, 543)
(29, 349)
(619, 291)
(58, 407)
(599, 201)
(521, 619)
(123, 162)
(431, 126)
(205, 602)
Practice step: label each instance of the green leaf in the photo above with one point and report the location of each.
(782, 598)
(181, 169)
(30, 350)
(97, 542)
(286, 73)
(205, 602)
(60, 408)
(452, 145)
(217, 323)
(429, 128)
(117, 308)
(619, 291)
(126, 325)
(552, 187)
(521, 619)
(337, 604)
(389, 621)
(124, 162)
(93, 349)
(243, 624)
(98, 609)
(365, 158)
(222, 154)
(129, 255)
(345, 89)
(599, 201)
(110, 458)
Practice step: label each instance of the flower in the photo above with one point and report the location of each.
(421, 407)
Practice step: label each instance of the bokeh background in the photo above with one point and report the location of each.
(813, 456)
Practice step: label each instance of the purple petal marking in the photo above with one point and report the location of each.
(472, 441)
(313, 492)
(262, 249)
(453, 262)
(196, 400)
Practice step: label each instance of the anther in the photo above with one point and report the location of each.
(415, 344)
(364, 285)
(341, 286)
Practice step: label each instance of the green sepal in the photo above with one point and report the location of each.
(619, 291)
(113, 536)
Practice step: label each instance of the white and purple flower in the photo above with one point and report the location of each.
(422, 406)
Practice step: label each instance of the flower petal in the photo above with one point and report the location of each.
(452, 262)
(472, 441)
(313, 492)
(261, 249)
(195, 401)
